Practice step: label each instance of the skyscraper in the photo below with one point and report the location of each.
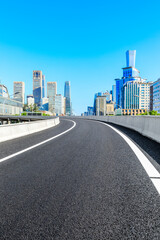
(59, 104)
(67, 95)
(51, 93)
(131, 58)
(18, 87)
(130, 73)
(37, 87)
(43, 86)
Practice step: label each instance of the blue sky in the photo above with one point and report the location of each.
(81, 41)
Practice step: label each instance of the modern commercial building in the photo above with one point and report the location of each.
(151, 97)
(114, 93)
(137, 95)
(59, 104)
(101, 106)
(108, 95)
(131, 90)
(90, 111)
(37, 87)
(110, 108)
(94, 103)
(67, 95)
(19, 89)
(43, 86)
(156, 96)
(30, 100)
(51, 93)
(8, 106)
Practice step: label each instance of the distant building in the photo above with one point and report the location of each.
(128, 88)
(37, 87)
(67, 95)
(90, 111)
(137, 95)
(94, 103)
(44, 105)
(19, 88)
(30, 100)
(43, 86)
(114, 93)
(59, 104)
(101, 106)
(8, 106)
(51, 93)
(156, 96)
(151, 97)
(109, 108)
(108, 95)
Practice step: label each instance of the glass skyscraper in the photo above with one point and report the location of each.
(51, 93)
(37, 87)
(67, 95)
(130, 73)
(43, 86)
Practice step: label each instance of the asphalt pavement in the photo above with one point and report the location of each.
(86, 184)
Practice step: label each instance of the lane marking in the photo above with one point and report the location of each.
(153, 174)
(38, 144)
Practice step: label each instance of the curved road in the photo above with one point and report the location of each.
(86, 184)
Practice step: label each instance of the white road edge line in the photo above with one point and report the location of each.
(38, 144)
(153, 174)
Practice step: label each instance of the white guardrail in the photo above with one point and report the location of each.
(148, 126)
(10, 131)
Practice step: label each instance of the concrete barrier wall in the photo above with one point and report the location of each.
(10, 131)
(148, 126)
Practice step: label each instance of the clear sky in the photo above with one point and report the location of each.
(82, 41)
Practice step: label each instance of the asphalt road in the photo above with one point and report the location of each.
(86, 184)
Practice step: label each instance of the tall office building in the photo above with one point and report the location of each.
(114, 93)
(37, 87)
(43, 86)
(59, 104)
(67, 95)
(131, 58)
(137, 95)
(51, 93)
(18, 87)
(130, 73)
(156, 96)
(101, 106)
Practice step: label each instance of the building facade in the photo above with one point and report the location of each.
(132, 92)
(43, 86)
(67, 95)
(19, 89)
(9, 106)
(156, 96)
(37, 87)
(30, 100)
(51, 93)
(101, 106)
(59, 104)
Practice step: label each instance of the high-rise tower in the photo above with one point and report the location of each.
(37, 87)
(67, 95)
(131, 58)
(18, 88)
(51, 93)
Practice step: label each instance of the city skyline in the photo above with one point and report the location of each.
(84, 51)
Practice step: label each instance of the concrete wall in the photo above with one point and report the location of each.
(10, 131)
(148, 126)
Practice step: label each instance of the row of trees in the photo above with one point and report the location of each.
(30, 108)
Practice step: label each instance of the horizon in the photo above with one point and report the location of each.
(84, 43)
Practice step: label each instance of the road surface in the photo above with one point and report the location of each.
(84, 184)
